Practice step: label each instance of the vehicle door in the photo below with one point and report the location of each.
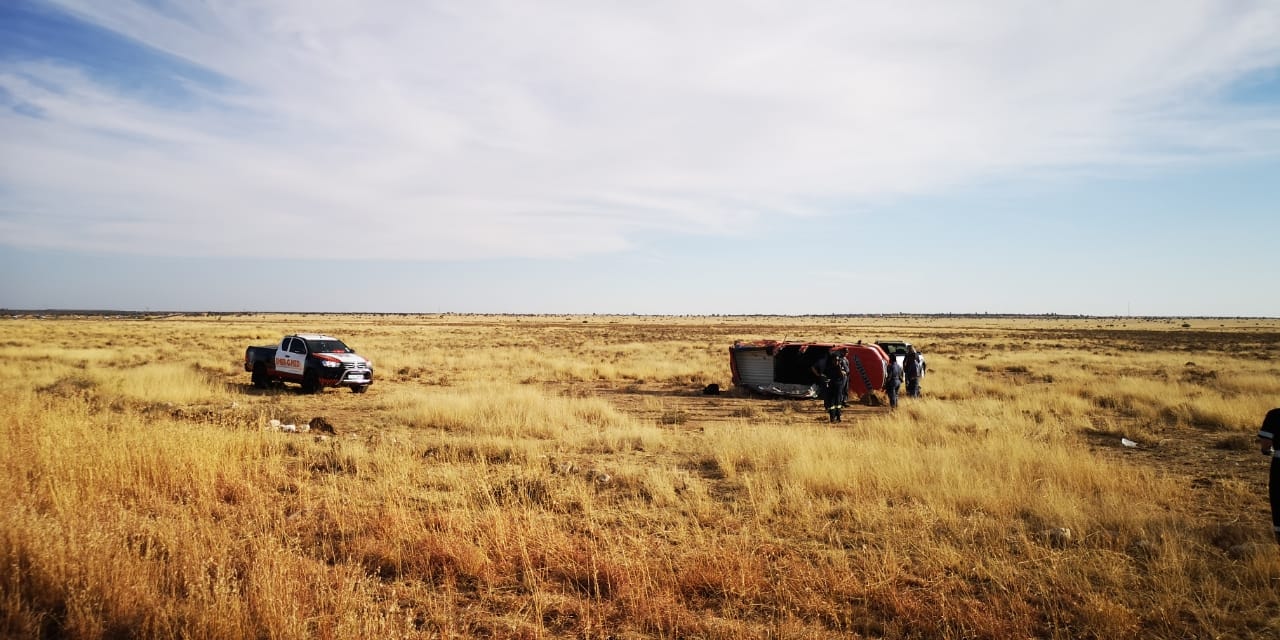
(291, 357)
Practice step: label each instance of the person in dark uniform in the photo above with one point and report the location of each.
(833, 371)
(913, 369)
(1266, 438)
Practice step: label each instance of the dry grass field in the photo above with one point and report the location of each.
(564, 477)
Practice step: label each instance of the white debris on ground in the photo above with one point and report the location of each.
(324, 425)
(599, 477)
(287, 428)
(1058, 536)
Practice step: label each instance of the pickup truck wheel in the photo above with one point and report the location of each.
(260, 379)
(360, 388)
(310, 381)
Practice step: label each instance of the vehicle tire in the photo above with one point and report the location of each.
(311, 381)
(360, 388)
(260, 379)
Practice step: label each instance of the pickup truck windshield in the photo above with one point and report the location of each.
(327, 346)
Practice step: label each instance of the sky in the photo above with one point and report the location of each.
(661, 157)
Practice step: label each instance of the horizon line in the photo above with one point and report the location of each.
(967, 314)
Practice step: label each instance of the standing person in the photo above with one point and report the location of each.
(892, 381)
(838, 388)
(1266, 438)
(833, 371)
(913, 369)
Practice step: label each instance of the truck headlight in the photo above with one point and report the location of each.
(331, 364)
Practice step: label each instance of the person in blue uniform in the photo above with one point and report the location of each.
(892, 381)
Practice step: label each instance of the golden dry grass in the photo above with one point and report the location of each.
(540, 477)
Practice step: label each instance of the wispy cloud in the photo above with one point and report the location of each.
(427, 130)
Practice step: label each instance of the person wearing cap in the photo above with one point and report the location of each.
(1266, 438)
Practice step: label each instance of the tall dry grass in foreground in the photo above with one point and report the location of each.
(562, 477)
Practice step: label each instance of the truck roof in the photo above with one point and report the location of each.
(313, 336)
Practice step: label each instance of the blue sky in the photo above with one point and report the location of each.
(664, 157)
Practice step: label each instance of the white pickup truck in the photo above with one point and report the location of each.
(897, 349)
(315, 361)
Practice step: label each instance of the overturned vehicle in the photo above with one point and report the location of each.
(786, 368)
